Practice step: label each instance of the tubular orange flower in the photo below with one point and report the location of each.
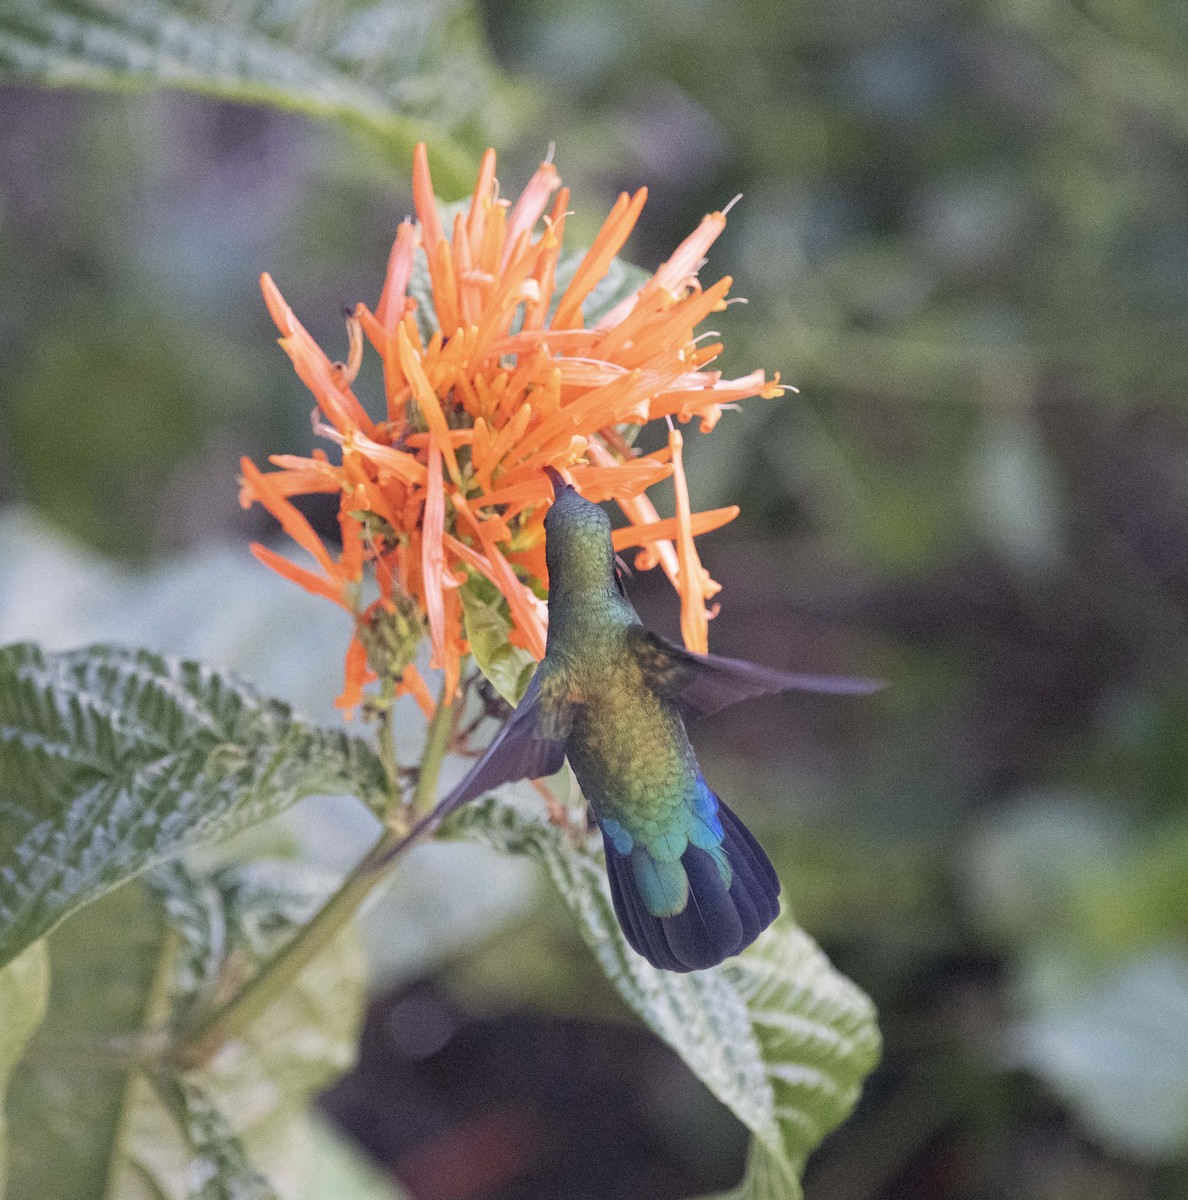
(449, 484)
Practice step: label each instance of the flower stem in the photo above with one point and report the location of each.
(386, 739)
(437, 742)
(279, 972)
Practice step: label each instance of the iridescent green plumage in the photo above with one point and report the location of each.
(668, 854)
(690, 884)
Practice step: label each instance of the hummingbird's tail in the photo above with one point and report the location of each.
(731, 896)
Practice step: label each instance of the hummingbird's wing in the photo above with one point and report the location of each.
(701, 684)
(530, 745)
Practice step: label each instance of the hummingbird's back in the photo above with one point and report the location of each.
(628, 746)
(690, 885)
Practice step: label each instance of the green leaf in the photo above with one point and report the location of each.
(219, 1166)
(766, 1178)
(507, 668)
(65, 1102)
(112, 760)
(1115, 1047)
(1013, 495)
(339, 1170)
(401, 70)
(79, 1119)
(776, 1033)
(1092, 918)
(24, 991)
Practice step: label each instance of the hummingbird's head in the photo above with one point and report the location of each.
(577, 540)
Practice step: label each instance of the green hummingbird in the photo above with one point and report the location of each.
(690, 884)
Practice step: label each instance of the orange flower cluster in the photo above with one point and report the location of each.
(450, 480)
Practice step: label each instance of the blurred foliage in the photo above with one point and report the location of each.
(80, 1125)
(24, 992)
(1092, 917)
(964, 236)
(777, 1035)
(339, 1169)
(398, 70)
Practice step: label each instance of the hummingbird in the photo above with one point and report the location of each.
(690, 884)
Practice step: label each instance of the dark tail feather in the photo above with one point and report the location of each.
(716, 922)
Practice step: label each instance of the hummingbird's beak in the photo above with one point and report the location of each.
(558, 481)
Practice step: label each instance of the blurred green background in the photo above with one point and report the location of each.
(964, 236)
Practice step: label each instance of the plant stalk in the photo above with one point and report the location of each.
(437, 743)
(280, 971)
(385, 736)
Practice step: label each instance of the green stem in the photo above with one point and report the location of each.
(280, 971)
(437, 743)
(385, 736)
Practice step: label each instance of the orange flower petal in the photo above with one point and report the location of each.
(610, 240)
(300, 476)
(669, 332)
(429, 404)
(668, 527)
(480, 446)
(412, 684)
(503, 441)
(351, 562)
(425, 202)
(390, 308)
(265, 489)
(484, 192)
(641, 511)
(469, 293)
(433, 556)
(489, 250)
(456, 645)
(455, 437)
(681, 268)
(355, 675)
(469, 555)
(528, 491)
(317, 584)
(529, 208)
(314, 369)
(693, 576)
(396, 462)
(620, 482)
(545, 272)
(445, 286)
